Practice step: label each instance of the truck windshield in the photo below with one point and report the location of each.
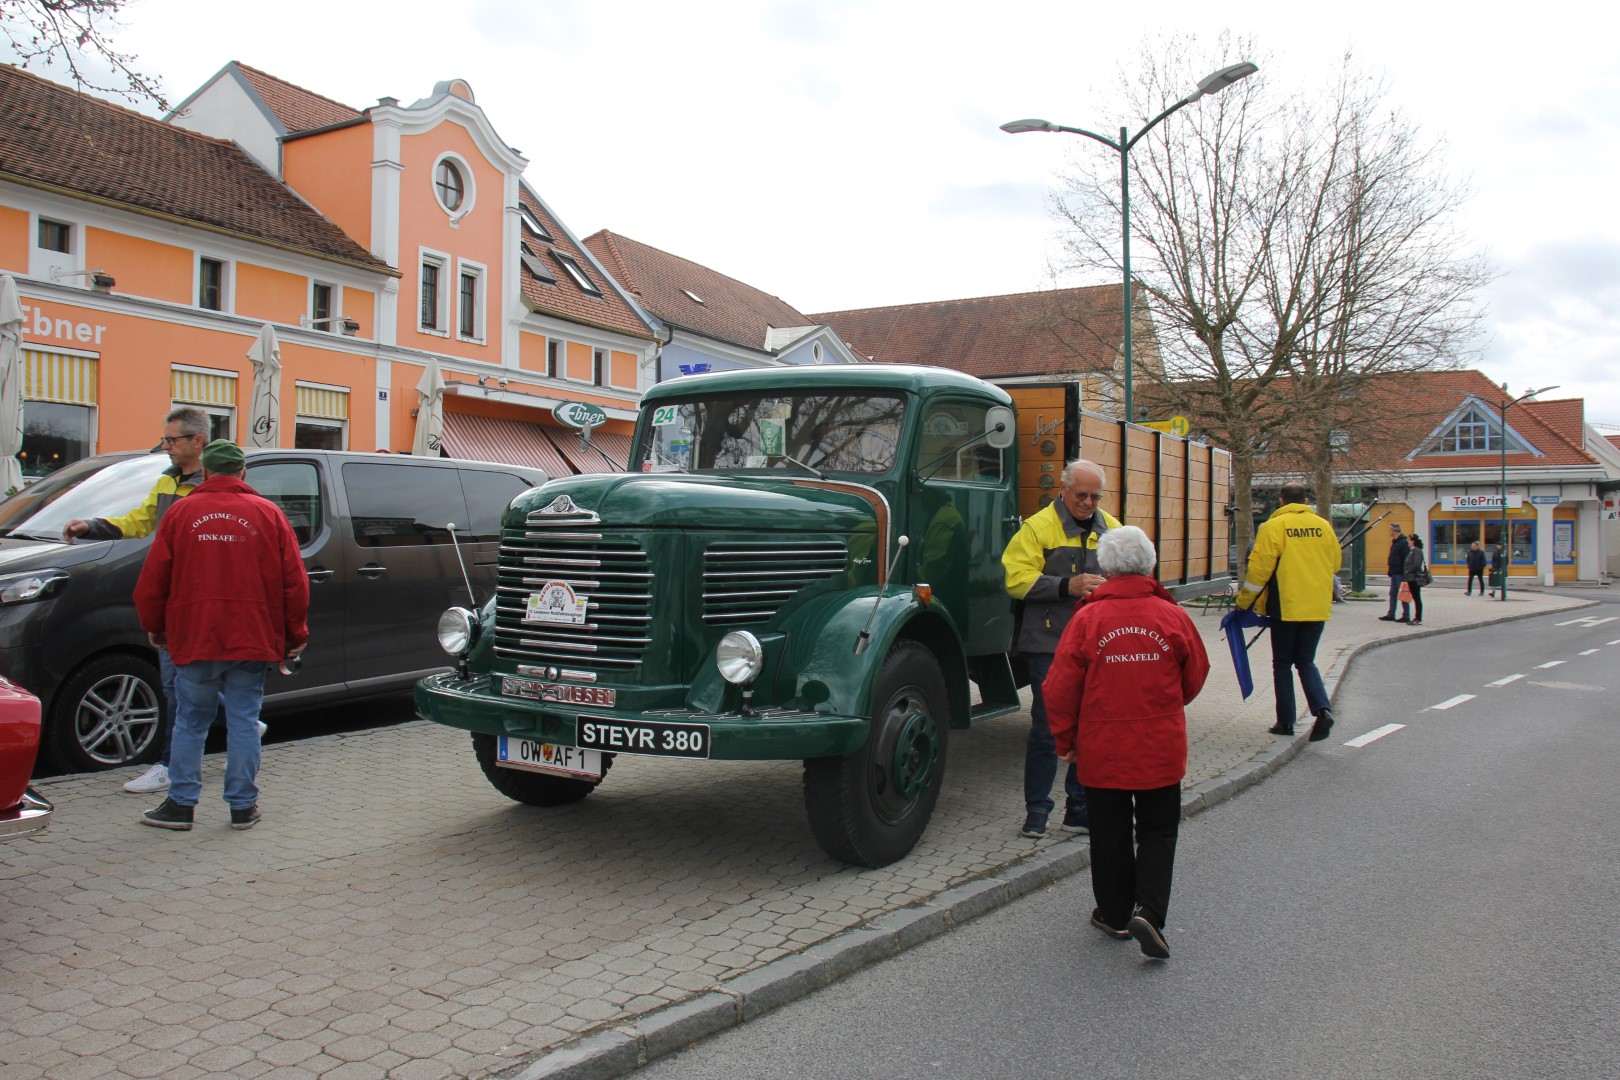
(94, 487)
(843, 433)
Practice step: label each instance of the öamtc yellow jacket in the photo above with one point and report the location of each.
(1298, 553)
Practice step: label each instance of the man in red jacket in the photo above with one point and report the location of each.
(224, 590)
(1127, 665)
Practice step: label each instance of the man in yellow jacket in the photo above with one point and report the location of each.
(1290, 578)
(185, 433)
(1051, 565)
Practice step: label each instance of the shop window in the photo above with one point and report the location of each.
(1443, 543)
(1524, 543)
(322, 420)
(55, 435)
(311, 434)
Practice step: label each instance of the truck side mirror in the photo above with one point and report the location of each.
(1000, 426)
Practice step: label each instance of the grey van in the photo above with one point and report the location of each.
(381, 570)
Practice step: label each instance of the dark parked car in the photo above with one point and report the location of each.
(21, 810)
(381, 570)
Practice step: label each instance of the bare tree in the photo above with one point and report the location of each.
(77, 34)
(1292, 244)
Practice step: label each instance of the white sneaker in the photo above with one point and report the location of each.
(154, 779)
(263, 727)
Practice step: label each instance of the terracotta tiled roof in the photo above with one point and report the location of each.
(561, 296)
(665, 284)
(297, 109)
(1410, 407)
(1614, 440)
(1055, 332)
(59, 138)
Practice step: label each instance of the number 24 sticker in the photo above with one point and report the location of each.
(665, 415)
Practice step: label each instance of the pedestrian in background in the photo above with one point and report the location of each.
(1125, 669)
(1399, 548)
(1476, 568)
(224, 590)
(1498, 571)
(185, 430)
(1290, 578)
(1415, 576)
(1050, 564)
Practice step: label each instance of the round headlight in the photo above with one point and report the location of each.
(457, 627)
(739, 657)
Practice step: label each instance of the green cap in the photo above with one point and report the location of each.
(222, 455)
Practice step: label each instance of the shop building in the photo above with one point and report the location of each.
(1436, 467)
(375, 243)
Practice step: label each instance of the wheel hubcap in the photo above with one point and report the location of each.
(905, 760)
(916, 755)
(117, 719)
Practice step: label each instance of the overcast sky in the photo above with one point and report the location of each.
(845, 153)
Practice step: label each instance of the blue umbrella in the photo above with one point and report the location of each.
(1234, 622)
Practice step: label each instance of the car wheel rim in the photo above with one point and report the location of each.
(908, 756)
(117, 719)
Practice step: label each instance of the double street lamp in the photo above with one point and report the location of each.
(1507, 538)
(1209, 84)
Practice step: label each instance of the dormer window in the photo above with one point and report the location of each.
(449, 185)
(575, 271)
(532, 223)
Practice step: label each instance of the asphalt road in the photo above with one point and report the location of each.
(1431, 900)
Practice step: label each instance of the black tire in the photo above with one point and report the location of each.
(107, 714)
(531, 788)
(869, 808)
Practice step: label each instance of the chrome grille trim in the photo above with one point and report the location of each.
(611, 573)
(733, 574)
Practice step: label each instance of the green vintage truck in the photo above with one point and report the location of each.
(800, 563)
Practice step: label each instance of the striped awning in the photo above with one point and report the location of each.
(50, 376)
(483, 438)
(323, 402)
(608, 452)
(203, 388)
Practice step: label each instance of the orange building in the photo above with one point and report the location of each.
(149, 254)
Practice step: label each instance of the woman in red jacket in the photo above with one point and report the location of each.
(1126, 667)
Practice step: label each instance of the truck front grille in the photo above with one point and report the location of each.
(612, 574)
(748, 583)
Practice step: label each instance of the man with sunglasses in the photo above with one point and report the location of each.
(185, 433)
(1051, 565)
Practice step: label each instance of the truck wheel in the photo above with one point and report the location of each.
(108, 713)
(869, 808)
(532, 788)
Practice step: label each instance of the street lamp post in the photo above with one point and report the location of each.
(1507, 538)
(1209, 84)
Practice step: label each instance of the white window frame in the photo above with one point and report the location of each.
(475, 333)
(227, 281)
(446, 266)
(469, 186)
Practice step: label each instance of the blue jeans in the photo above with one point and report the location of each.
(1395, 594)
(1293, 645)
(170, 706)
(201, 687)
(1040, 753)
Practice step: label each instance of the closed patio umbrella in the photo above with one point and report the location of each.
(429, 412)
(11, 388)
(264, 417)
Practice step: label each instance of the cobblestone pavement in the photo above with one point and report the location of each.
(395, 916)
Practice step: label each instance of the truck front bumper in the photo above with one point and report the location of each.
(767, 735)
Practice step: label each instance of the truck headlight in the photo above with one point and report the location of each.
(34, 585)
(457, 628)
(739, 657)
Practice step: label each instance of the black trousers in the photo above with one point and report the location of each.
(1473, 576)
(1126, 876)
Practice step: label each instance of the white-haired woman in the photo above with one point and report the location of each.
(1127, 665)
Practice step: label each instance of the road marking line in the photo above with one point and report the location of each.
(1551, 663)
(1587, 620)
(1616, 641)
(1374, 734)
(1589, 652)
(1504, 682)
(1452, 702)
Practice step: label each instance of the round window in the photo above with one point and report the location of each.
(448, 182)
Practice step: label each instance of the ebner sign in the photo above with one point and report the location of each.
(1455, 503)
(579, 414)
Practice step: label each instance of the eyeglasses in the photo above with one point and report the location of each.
(1085, 496)
(170, 440)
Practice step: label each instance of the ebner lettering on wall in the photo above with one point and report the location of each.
(39, 323)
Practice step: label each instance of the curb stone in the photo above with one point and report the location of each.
(618, 1051)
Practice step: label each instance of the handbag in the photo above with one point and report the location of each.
(1406, 593)
(1425, 578)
